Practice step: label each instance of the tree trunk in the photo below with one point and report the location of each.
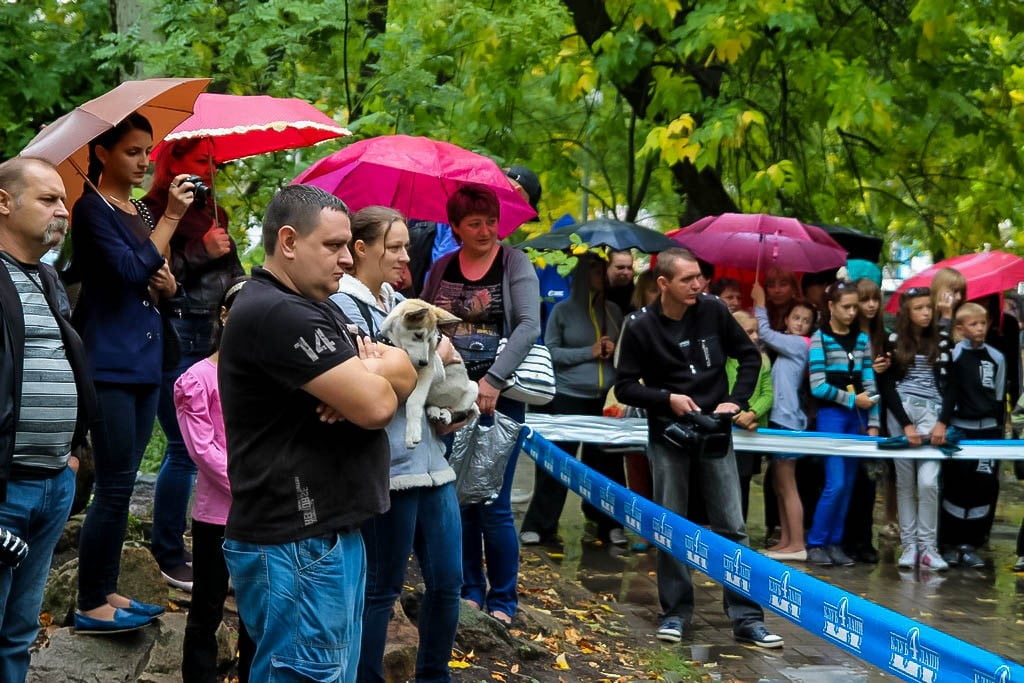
(704, 191)
(124, 14)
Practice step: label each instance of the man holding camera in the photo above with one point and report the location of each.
(672, 363)
(46, 398)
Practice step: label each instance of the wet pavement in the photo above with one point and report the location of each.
(984, 607)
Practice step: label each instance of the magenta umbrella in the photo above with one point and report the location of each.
(990, 272)
(415, 176)
(755, 241)
(240, 126)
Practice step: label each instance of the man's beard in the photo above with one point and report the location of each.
(55, 232)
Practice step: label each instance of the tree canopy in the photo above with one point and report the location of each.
(901, 118)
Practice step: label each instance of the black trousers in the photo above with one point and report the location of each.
(970, 489)
(860, 516)
(209, 590)
(549, 493)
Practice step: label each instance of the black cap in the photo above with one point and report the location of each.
(529, 180)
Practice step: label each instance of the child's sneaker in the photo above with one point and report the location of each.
(931, 559)
(1019, 566)
(908, 559)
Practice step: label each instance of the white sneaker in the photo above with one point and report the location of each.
(519, 496)
(617, 537)
(930, 558)
(908, 560)
(529, 538)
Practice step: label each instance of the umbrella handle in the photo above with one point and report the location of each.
(213, 186)
(757, 270)
(89, 182)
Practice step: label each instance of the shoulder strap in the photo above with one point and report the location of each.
(364, 310)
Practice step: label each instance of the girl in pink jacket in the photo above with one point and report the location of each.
(197, 403)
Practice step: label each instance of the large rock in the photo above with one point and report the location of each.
(481, 632)
(152, 654)
(141, 504)
(69, 537)
(116, 658)
(140, 576)
(401, 647)
(165, 653)
(61, 593)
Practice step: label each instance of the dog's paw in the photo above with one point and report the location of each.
(436, 414)
(409, 443)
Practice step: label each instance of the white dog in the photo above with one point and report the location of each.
(445, 391)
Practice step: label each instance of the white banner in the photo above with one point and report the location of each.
(631, 434)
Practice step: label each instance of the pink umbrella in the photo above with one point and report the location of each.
(241, 126)
(757, 241)
(990, 272)
(415, 176)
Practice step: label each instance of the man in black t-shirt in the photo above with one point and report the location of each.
(305, 403)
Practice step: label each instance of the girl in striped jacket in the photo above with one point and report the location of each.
(844, 383)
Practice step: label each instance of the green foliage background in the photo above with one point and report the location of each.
(902, 118)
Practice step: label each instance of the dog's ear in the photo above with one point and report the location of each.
(416, 316)
(388, 324)
(444, 318)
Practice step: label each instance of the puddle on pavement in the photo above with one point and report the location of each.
(984, 607)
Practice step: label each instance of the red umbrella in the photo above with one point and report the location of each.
(754, 241)
(415, 176)
(165, 102)
(989, 272)
(245, 125)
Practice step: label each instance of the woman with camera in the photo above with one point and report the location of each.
(203, 259)
(119, 254)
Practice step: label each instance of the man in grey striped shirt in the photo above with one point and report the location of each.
(45, 396)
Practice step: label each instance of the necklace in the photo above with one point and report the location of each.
(126, 206)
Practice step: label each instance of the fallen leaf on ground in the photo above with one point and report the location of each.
(561, 664)
(458, 664)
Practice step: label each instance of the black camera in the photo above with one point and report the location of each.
(704, 436)
(12, 549)
(201, 192)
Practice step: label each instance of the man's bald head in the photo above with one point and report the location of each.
(13, 173)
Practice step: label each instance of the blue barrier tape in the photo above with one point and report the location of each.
(896, 644)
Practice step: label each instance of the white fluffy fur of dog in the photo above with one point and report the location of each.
(443, 390)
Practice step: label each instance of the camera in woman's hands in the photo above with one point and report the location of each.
(12, 549)
(200, 191)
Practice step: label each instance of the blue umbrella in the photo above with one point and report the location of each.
(605, 232)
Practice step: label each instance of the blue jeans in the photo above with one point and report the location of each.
(125, 415)
(177, 471)
(840, 473)
(424, 520)
(720, 483)
(490, 530)
(35, 510)
(301, 603)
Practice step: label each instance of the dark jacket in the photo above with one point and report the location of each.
(203, 280)
(977, 386)
(120, 327)
(12, 352)
(690, 362)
